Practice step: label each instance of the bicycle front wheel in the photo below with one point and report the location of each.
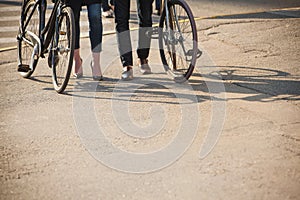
(26, 44)
(62, 49)
(178, 40)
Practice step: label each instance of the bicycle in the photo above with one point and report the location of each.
(57, 38)
(178, 40)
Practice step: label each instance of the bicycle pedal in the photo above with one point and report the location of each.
(23, 68)
(191, 52)
(199, 53)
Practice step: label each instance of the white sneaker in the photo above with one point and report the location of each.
(144, 66)
(127, 73)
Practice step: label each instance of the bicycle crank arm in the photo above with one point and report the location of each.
(153, 33)
(62, 50)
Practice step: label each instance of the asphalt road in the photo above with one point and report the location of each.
(10, 12)
(231, 132)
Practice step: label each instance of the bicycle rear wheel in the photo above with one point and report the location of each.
(62, 50)
(26, 43)
(178, 40)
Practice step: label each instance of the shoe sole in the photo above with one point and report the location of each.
(128, 76)
(78, 76)
(145, 72)
(127, 79)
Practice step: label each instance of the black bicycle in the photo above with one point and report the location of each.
(36, 38)
(178, 40)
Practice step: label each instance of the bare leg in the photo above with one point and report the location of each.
(96, 70)
(78, 62)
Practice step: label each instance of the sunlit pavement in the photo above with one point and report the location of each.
(246, 85)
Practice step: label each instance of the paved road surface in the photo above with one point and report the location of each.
(244, 94)
(9, 22)
(10, 12)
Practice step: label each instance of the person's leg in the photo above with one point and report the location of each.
(112, 4)
(105, 5)
(157, 6)
(122, 9)
(96, 31)
(107, 10)
(78, 71)
(76, 6)
(145, 23)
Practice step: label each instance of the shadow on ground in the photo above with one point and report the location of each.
(251, 84)
(255, 84)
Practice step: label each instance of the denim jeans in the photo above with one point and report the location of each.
(95, 24)
(96, 28)
(122, 15)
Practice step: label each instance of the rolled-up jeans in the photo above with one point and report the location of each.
(122, 15)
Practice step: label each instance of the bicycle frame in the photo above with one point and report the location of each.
(42, 39)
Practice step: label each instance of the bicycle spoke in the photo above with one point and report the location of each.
(178, 40)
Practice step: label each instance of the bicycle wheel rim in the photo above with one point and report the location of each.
(24, 49)
(63, 50)
(179, 54)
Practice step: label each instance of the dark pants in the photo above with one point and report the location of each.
(122, 15)
(76, 7)
(106, 6)
(157, 5)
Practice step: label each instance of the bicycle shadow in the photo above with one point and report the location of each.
(245, 83)
(250, 83)
(253, 84)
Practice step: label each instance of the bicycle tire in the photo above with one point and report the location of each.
(25, 51)
(63, 44)
(178, 54)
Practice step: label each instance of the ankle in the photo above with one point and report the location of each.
(127, 68)
(78, 65)
(95, 65)
(143, 61)
(78, 60)
(96, 69)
